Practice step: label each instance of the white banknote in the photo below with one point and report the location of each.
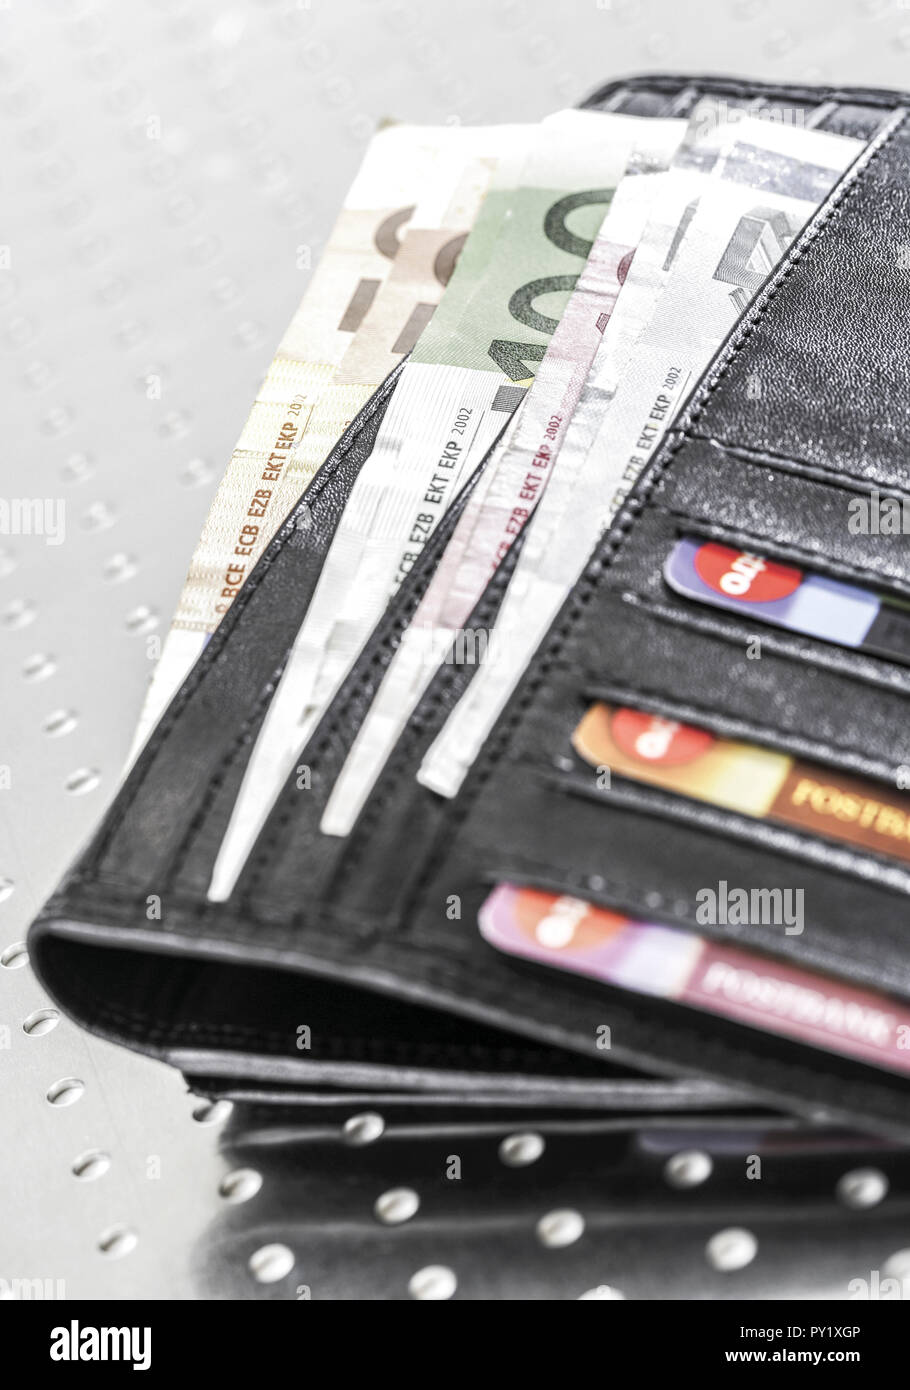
(759, 193)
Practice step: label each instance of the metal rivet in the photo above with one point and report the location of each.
(435, 1282)
(518, 1150)
(732, 1248)
(212, 1112)
(15, 956)
(40, 1022)
(363, 1129)
(240, 1185)
(39, 667)
(689, 1168)
(196, 473)
(141, 620)
(77, 468)
(559, 1228)
(270, 1263)
(119, 568)
(66, 1091)
(862, 1187)
(18, 613)
(82, 781)
(91, 1165)
(97, 517)
(601, 1291)
(397, 1205)
(117, 1241)
(897, 1266)
(59, 722)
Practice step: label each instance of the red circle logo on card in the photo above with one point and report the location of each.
(652, 739)
(737, 574)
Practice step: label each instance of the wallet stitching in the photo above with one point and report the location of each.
(801, 468)
(713, 1046)
(202, 668)
(775, 640)
(778, 1068)
(723, 529)
(362, 1049)
(398, 762)
(219, 777)
(339, 720)
(257, 864)
(767, 730)
(791, 841)
(610, 890)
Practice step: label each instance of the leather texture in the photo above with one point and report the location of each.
(351, 938)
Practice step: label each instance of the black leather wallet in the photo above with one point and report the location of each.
(337, 973)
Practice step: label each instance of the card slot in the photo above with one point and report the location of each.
(575, 848)
(637, 577)
(801, 520)
(808, 709)
(786, 841)
(719, 721)
(892, 481)
(637, 850)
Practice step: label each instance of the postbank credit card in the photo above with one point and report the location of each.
(670, 963)
(789, 597)
(745, 778)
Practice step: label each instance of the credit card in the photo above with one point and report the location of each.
(670, 963)
(789, 597)
(746, 778)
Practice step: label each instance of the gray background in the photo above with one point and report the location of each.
(162, 164)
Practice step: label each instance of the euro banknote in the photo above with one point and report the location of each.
(763, 186)
(468, 373)
(377, 284)
(510, 488)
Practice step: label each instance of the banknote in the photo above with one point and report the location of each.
(760, 191)
(431, 247)
(383, 271)
(510, 488)
(468, 372)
